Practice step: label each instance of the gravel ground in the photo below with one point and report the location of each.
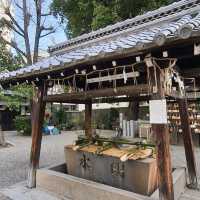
(178, 157)
(14, 160)
(3, 197)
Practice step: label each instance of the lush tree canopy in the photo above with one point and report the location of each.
(83, 16)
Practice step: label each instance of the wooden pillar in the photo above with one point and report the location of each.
(188, 142)
(161, 135)
(163, 156)
(133, 110)
(38, 111)
(88, 119)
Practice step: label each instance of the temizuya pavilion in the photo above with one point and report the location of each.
(148, 57)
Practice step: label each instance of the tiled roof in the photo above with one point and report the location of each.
(171, 11)
(177, 21)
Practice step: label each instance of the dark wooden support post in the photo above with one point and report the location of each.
(188, 142)
(161, 135)
(38, 111)
(88, 119)
(133, 110)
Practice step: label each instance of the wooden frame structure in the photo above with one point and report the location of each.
(132, 42)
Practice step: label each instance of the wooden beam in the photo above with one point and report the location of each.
(133, 90)
(38, 111)
(58, 99)
(188, 142)
(88, 119)
(121, 99)
(99, 100)
(161, 135)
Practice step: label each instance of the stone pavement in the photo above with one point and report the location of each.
(21, 192)
(14, 161)
(3, 197)
(190, 195)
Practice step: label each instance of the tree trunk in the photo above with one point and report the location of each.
(37, 31)
(26, 35)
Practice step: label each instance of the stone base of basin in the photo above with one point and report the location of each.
(55, 180)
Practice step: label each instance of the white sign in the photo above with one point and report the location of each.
(113, 77)
(158, 111)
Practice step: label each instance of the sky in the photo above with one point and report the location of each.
(45, 42)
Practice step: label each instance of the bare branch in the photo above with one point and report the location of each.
(50, 32)
(45, 14)
(21, 57)
(18, 6)
(14, 45)
(43, 28)
(16, 31)
(11, 26)
(8, 13)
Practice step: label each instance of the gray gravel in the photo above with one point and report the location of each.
(178, 157)
(3, 197)
(14, 160)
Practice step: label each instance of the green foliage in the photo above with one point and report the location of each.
(83, 16)
(114, 115)
(23, 125)
(104, 14)
(78, 15)
(104, 119)
(19, 95)
(59, 116)
(67, 120)
(7, 60)
(78, 121)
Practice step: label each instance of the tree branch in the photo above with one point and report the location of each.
(20, 7)
(45, 14)
(50, 32)
(13, 20)
(43, 28)
(14, 45)
(22, 58)
(10, 25)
